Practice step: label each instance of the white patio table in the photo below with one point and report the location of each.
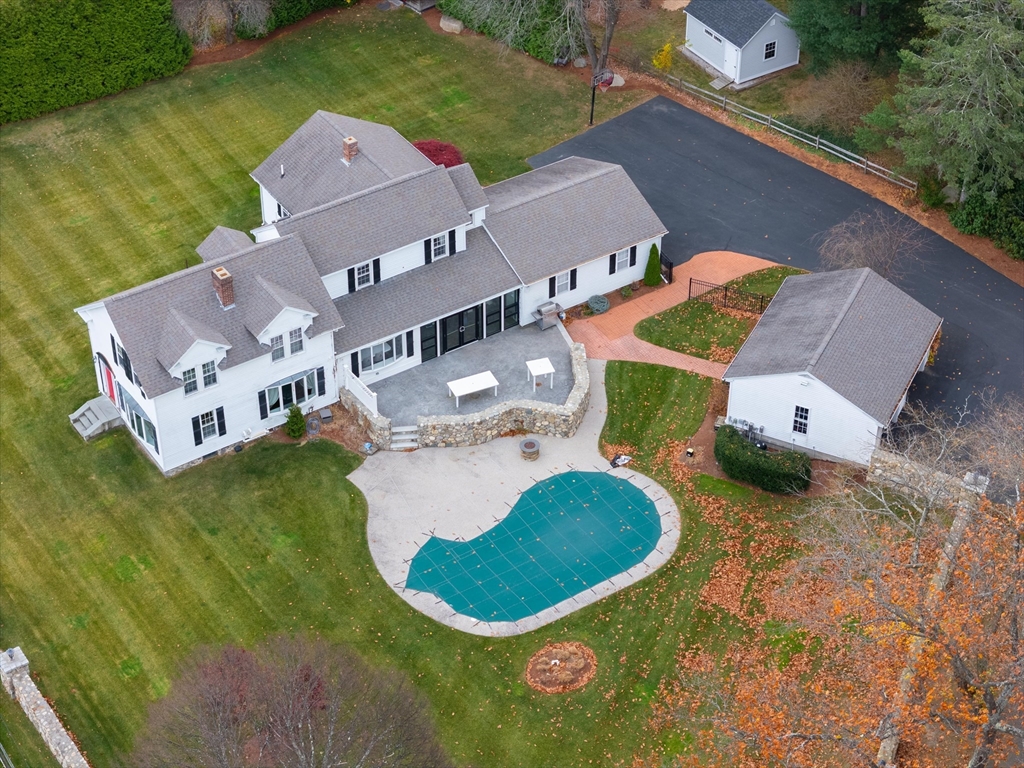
(470, 384)
(540, 367)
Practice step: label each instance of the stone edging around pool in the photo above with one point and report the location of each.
(440, 611)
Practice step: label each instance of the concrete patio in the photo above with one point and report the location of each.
(423, 390)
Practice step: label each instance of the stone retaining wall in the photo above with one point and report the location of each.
(17, 682)
(514, 415)
(378, 427)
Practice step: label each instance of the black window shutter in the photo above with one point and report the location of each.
(632, 255)
(551, 288)
(351, 279)
(355, 364)
(611, 264)
(222, 428)
(572, 279)
(376, 270)
(408, 344)
(197, 431)
(113, 348)
(156, 445)
(451, 242)
(321, 382)
(263, 405)
(427, 254)
(126, 362)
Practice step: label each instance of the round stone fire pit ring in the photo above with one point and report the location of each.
(529, 448)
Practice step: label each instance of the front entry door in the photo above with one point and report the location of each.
(107, 377)
(462, 328)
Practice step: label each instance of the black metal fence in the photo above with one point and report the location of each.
(728, 297)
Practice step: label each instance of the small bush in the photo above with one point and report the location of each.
(295, 427)
(1000, 218)
(652, 274)
(626, 291)
(598, 304)
(440, 152)
(663, 59)
(929, 189)
(782, 472)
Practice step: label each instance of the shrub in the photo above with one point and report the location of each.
(929, 190)
(289, 11)
(295, 427)
(663, 58)
(538, 39)
(781, 472)
(440, 152)
(626, 291)
(1000, 218)
(58, 53)
(652, 274)
(598, 304)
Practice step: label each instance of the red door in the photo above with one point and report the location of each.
(108, 378)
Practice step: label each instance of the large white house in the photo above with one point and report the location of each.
(369, 257)
(828, 365)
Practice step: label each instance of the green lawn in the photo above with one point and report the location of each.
(696, 328)
(765, 281)
(24, 745)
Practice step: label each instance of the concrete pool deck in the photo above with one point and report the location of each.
(458, 493)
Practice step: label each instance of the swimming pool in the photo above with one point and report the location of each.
(564, 536)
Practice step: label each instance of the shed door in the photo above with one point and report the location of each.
(731, 60)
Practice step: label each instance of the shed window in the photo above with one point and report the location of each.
(769, 50)
(800, 418)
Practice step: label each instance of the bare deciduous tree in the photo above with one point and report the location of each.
(888, 243)
(208, 22)
(293, 703)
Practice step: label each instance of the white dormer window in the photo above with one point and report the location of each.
(363, 276)
(209, 374)
(282, 212)
(295, 339)
(189, 377)
(440, 246)
(277, 348)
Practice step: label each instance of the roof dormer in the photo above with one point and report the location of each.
(185, 343)
(276, 311)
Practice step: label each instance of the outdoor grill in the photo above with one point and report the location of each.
(547, 314)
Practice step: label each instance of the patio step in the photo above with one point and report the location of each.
(405, 438)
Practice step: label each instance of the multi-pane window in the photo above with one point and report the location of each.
(622, 260)
(769, 50)
(209, 374)
(281, 397)
(189, 377)
(440, 245)
(295, 339)
(277, 348)
(800, 419)
(208, 424)
(712, 35)
(561, 283)
(381, 355)
(363, 275)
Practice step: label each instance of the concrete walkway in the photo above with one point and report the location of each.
(459, 493)
(610, 336)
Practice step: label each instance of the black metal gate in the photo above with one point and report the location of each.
(666, 269)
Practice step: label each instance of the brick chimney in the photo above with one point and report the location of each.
(350, 147)
(224, 285)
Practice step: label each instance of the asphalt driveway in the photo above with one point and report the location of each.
(716, 189)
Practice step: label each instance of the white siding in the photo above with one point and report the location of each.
(835, 426)
(268, 206)
(698, 41)
(787, 50)
(591, 278)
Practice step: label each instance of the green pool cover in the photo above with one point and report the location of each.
(563, 536)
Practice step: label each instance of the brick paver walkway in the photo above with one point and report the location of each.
(610, 336)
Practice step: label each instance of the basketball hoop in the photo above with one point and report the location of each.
(602, 79)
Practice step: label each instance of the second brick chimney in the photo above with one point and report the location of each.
(350, 148)
(224, 285)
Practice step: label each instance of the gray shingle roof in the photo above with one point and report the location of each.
(314, 172)
(735, 20)
(852, 330)
(180, 333)
(566, 214)
(141, 314)
(422, 294)
(379, 220)
(469, 188)
(222, 242)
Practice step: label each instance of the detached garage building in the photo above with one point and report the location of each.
(742, 39)
(828, 366)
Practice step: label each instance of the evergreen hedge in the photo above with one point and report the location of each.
(775, 472)
(62, 52)
(652, 272)
(1000, 218)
